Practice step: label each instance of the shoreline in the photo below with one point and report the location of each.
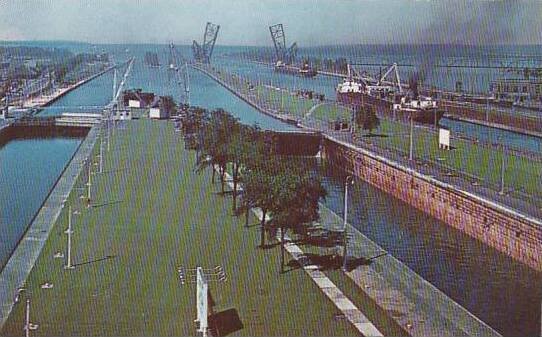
(46, 100)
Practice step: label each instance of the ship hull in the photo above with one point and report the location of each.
(296, 71)
(385, 107)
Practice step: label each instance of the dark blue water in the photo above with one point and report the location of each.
(500, 291)
(28, 170)
(497, 289)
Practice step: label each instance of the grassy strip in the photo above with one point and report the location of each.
(521, 173)
(466, 156)
(153, 213)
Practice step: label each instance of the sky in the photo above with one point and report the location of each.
(245, 22)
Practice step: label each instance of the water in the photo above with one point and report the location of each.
(500, 291)
(28, 170)
(326, 85)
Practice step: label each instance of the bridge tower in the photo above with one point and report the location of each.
(203, 52)
(284, 54)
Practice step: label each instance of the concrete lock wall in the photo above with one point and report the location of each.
(515, 236)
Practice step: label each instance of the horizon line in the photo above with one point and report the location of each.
(271, 46)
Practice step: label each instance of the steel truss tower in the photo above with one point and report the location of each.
(203, 52)
(284, 54)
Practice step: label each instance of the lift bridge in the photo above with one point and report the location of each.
(284, 55)
(203, 53)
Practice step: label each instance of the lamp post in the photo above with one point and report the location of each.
(503, 166)
(69, 231)
(411, 145)
(89, 183)
(101, 151)
(349, 181)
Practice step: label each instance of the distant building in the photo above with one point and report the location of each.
(137, 98)
(162, 108)
(516, 90)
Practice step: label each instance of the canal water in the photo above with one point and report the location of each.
(29, 169)
(327, 85)
(503, 293)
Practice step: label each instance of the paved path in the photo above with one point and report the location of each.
(349, 310)
(21, 262)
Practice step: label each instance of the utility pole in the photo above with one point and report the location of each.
(108, 136)
(69, 232)
(102, 150)
(410, 156)
(349, 181)
(89, 183)
(503, 166)
(487, 109)
(114, 83)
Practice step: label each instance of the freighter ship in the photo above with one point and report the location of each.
(306, 70)
(389, 98)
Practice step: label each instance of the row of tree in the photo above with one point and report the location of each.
(287, 193)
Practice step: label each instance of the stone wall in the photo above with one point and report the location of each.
(504, 230)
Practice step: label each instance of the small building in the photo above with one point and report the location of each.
(157, 113)
(137, 98)
(162, 108)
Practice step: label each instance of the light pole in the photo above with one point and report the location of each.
(89, 183)
(27, 319)
(349, 181)
(101, 150)
(503, 166)
(69, 231)
(411, 145)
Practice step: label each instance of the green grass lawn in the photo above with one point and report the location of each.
(479, 162)
(476, 160)
(284, 101)
(154, 214)
(332, 112)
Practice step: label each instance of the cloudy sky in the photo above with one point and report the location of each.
(245, 22)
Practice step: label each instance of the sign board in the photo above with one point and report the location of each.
(444, 139)
(202, 301)
(134, 103)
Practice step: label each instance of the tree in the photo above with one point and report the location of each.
(296, 205)
(258, 182)
(215, 142)
(192, 125)
(246, 142)
(167, 104)
(367, 119)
